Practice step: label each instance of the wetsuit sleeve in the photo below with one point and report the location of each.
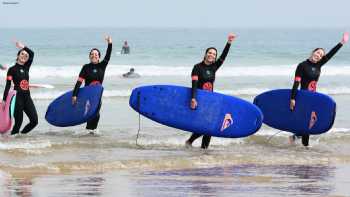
(297, 80)
(8, 84)
(331, 53)
(80, 80)
(222, 57)
(194, 76)
(107, 56)
(31, 57)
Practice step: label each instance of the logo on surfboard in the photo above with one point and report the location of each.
(313, 119)
(228, 121)
(87, 107)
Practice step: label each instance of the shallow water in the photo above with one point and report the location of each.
(238, 180)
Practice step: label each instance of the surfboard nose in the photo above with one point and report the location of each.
(134, 100)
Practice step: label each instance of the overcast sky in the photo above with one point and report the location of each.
(175, 13)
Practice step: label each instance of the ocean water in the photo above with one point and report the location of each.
(53, 161)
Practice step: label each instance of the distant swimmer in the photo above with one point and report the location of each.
(125, 48)
(131, 74)
(3, 67)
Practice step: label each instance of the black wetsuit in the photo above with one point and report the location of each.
(307, 74)
(203, 77)
(93, 74)
(19, 74)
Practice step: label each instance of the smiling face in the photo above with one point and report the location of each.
(317, 55)
(22, 57)
(210, 56)
(94, 56)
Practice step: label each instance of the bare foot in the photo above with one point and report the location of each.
(292, 139)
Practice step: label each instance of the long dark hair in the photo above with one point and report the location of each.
(206, 51)
(19, 53)
(324, 51)
(98, 51)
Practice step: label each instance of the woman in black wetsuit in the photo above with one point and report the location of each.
(203, 77)
(93, 73)
(308, 73)
(19, 74)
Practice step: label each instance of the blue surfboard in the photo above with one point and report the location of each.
(62, 113)
(314, 112)
(216, 114)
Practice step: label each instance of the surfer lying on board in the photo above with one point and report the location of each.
(131, 74)
(203, 77)
(19, 74)
(307, 74)
(93, 73)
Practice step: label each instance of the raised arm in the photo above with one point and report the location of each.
(335, 49)
(109, 50)
(224, 53)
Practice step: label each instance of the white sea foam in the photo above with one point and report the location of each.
(47, 72)
(15, 144)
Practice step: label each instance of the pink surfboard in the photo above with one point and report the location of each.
(5, 116)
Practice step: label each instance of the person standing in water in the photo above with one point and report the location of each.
(203, 77)
(19, 75)
(125, 48)
(93, 73)
(307, 75)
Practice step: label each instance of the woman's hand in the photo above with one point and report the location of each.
(19, 45)
(2, 105)
(292, 104)
(345, 38)
(231, 37)
(74, 100)
(108, 39)
(193, 103)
